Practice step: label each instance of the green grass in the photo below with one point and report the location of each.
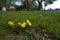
(47, 20)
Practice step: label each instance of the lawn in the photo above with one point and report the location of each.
(44, 24)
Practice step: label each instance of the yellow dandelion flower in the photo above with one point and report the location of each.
(19, 24)
(30, 24)
(22, 25)
(28, 21)
(11, 23)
